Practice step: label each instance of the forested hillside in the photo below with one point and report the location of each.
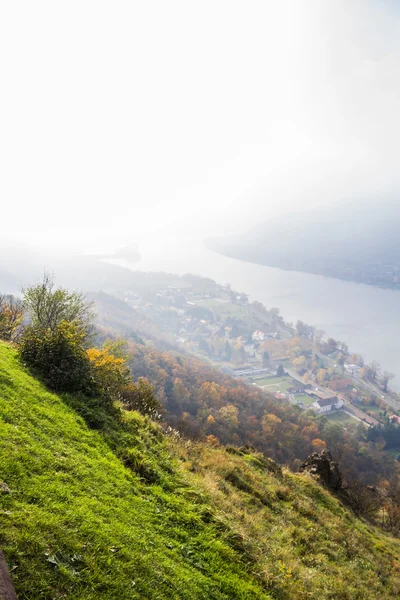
(203, 403)
(128, 511)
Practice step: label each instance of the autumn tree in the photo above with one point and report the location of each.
(229, 413)
(269, 423)
(321, 375)
(210, 421)
(140, 396)
(211, 440)
(318, 445)
(110, 369)
(11, 314)
(299, 362)
(212, 393)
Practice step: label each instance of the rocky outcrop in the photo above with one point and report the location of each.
(325, 468)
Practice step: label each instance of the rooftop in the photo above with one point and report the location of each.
(325, 402)
(320, 394)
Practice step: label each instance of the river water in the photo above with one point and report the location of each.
(367, 318)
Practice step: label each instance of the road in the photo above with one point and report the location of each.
(364, 385)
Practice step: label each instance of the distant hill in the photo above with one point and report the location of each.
(357, 242)
(21, 266)
(129, 512)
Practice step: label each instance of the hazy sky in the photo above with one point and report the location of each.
(120, 120)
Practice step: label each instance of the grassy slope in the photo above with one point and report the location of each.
(128, 513)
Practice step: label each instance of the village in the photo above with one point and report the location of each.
(244, 339)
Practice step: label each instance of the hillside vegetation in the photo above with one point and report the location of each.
(127, 511)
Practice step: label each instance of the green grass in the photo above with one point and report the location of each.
(375, 410)
(127, 512)
(228, 309)
(340, 417)
(276, 384)
(306, 544)
(79, 524)
(305, 399)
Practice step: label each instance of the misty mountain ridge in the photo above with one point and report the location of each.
(354, 242)
(21, 264)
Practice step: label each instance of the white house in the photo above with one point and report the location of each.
(326, 405)
(258, 336)
(353, 369)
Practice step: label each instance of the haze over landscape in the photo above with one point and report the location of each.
(139, 120)
(199, 300)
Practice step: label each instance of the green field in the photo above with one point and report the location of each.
(228, 309)
(276, 384)
(341, 417)
(305, 399)
(371, 408)
(225, 308)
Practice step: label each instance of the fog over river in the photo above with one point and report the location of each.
(365, 317)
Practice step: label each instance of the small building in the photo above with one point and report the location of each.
(395, 419)
(248, 372)
(325, 400)
(320, 393)
(258, 336)
(274, 336)
(326, 405)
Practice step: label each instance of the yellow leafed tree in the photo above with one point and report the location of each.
(110, 369)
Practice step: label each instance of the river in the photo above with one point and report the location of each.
(367, 318)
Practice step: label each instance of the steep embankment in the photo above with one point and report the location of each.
(127, 512)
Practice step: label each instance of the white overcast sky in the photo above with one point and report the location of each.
(120, 120)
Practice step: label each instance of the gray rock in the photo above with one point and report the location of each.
(325, 468)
